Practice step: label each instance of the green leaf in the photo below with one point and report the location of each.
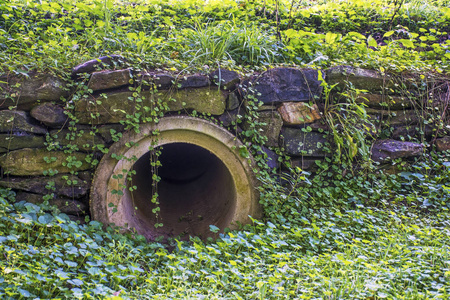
(407, 43)
(371, 42)
(388, 34)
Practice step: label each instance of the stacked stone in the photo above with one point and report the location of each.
(31, 108)
(35, 108)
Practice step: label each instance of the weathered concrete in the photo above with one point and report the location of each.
(219, 190)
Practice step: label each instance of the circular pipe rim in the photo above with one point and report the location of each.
(195, 131)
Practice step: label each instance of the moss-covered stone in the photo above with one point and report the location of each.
(65, 205)
(109, 79)
(395, 117)
(118, 105)
(443, 144)
(82, 139)
(24, 93)
(111, 109)
(386, 101)
(300, 143)
(362, 79)
(272, 127)
(18, 121)
(10, 142)
(50, 114)
(65, 185)
(34, 162)
(110, 132)
(203, 100)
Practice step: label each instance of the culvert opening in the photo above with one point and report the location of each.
(195, 190)
(204, 180)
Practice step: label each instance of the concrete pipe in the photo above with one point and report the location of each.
(204, 181)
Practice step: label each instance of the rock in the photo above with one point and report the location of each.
(80, 220)
(229, 117)
(25, 93)
(272, 127)
(225, 79)
(384, 150)
(14, 141)
(67, 185)
(361, 79)
(296, 113)
(104, 80)
(118, 105)
(160, 81)
(300, 143)
(318, 125)
(272, 158)
(65, 205)
(112, 109)
(110, 132)
(86, 176)
(203, 100)
(152, 80)
(110, 61)
(232, 101)
(34, 162)
(82, 139)
(403, 117)
(287, 84)
(267, 107)
(193, 81)
(384, 101)
(412, 132)
(51, 115)
(395, 117)
(18, 121)
(443, 144)
(306, 164)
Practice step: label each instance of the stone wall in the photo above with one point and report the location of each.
(51, 130)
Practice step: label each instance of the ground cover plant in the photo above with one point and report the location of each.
(343, 232)
(193, 35)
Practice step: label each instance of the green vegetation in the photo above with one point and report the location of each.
(351, 242)
(347, 232)
(394, 35)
